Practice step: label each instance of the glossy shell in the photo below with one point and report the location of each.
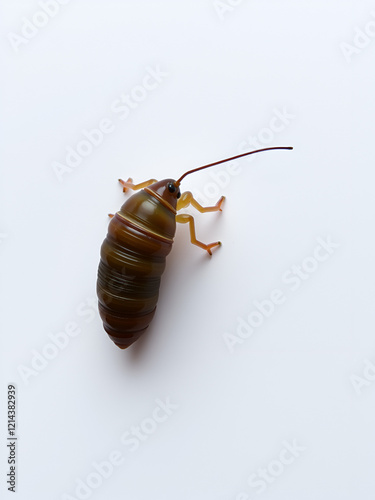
(133, 256)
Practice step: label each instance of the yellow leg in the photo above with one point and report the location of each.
(185, 218)
(187, 199)
(111, 215)
(129, 184)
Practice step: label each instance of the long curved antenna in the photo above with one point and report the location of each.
(177, 183)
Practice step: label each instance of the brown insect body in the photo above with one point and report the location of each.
(133, 255)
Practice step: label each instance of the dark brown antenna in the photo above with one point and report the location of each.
(177, 183)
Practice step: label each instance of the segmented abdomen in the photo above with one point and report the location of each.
(132, 262)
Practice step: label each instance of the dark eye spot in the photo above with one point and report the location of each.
(171, 188)
(178, 194)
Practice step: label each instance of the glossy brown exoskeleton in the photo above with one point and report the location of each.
(133, 255)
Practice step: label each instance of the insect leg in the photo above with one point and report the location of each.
(129, 184)
(188, 199)
(185, 218)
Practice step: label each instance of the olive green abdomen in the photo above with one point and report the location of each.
(133, 255)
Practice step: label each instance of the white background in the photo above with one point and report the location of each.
(293, 380)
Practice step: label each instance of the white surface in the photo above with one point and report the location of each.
(292, 380)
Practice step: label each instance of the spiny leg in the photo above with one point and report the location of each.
(185, 218)
(129, 184)
(187, 198)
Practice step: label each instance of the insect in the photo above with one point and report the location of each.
(133, 255)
